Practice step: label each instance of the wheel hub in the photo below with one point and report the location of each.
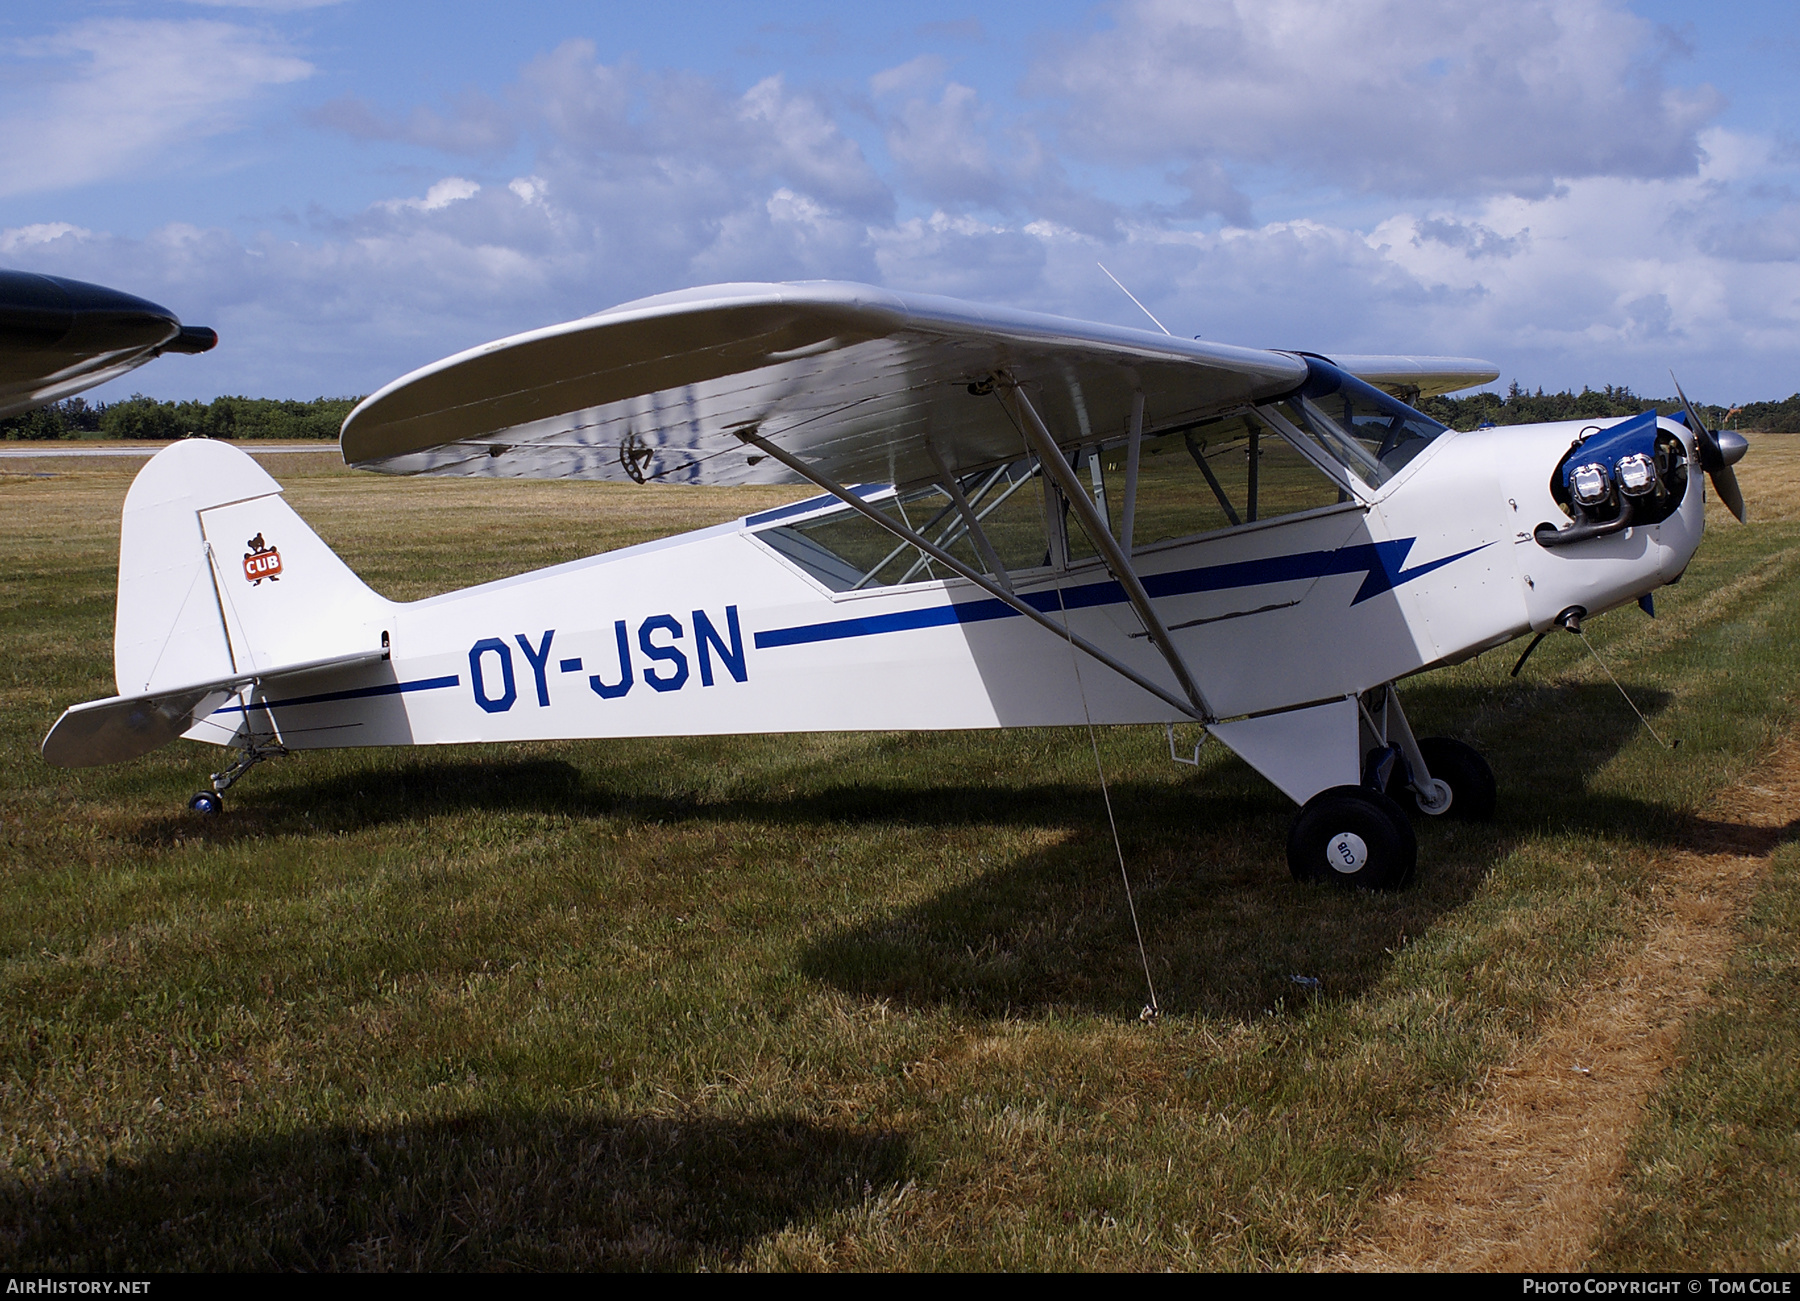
(1347, 852)
(1434, 797)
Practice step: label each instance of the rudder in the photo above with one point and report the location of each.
(218, 575)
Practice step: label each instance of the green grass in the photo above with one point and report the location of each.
(1713, 1177)
(834, 1001)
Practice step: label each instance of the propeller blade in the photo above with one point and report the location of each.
(1710, 459)
(1725, 481)
(1716, 456)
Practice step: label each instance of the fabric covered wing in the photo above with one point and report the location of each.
(850, 377)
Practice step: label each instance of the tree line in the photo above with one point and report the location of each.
(1518, 407)
(248, 418)
(145, 418)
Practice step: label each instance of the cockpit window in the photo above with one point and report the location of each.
(1231, 471)
(847, 551)
(1370, 433)
(1225, 472)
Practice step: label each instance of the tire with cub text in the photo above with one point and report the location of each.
(1354, 837)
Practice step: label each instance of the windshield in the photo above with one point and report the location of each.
(1372, 434)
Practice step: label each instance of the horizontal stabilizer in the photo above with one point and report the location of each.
(125, 727)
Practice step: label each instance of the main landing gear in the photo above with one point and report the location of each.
(209, 804)
(1360, 835)
(1354, 836)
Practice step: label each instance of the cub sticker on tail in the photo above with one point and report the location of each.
(261, 562)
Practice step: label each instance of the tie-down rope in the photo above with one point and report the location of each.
(1152, 1010)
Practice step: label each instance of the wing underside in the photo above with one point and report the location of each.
(852, 378)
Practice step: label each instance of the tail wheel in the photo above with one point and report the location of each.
(206, 804)
(1353, 836)
(1466, 773)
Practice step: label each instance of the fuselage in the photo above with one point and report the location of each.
(734, 630)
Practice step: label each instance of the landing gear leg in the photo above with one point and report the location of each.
(1461, 768)
(1435, 775)
(211, 803)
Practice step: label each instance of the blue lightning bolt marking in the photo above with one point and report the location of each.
(1382, 563)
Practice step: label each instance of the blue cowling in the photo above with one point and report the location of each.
(1607, 447)
(1636, 436)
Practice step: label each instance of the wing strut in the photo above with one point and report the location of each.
(971, 521)
(957, 567)
(1056, 465)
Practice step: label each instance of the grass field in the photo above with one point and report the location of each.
(835, 1001)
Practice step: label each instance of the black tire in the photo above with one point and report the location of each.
(1354, 837)
(206, 804)
(1471, 781)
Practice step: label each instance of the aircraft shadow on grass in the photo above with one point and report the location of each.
(557, 1191)
(1225, 930)
(1225, 933)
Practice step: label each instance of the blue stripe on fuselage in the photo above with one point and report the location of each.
(1382, 563)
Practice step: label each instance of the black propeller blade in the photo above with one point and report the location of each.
(1720, 449)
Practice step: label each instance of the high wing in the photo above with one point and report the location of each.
(58, 337)
(1411, 378)
(850, 377)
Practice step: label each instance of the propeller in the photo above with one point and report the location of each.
(1720, 449)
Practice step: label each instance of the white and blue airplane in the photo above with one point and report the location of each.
(1026, 521)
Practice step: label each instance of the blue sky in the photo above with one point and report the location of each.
(1582, 191)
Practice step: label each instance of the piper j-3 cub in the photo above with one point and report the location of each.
(1026, 521)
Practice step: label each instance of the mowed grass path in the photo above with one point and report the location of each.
(834, 1001)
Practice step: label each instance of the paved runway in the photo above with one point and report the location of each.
(53, 447)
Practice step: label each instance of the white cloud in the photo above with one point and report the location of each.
(944, 149)
(678, 130)
(1398, 96)
(956, 152)
(922, 73)
(795, 139)
(109, 97)
(1607, 280)
(21, 238)
(452, 189)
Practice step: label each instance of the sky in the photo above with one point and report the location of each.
(1580, 191)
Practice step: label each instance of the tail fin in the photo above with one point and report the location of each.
(218, 576)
